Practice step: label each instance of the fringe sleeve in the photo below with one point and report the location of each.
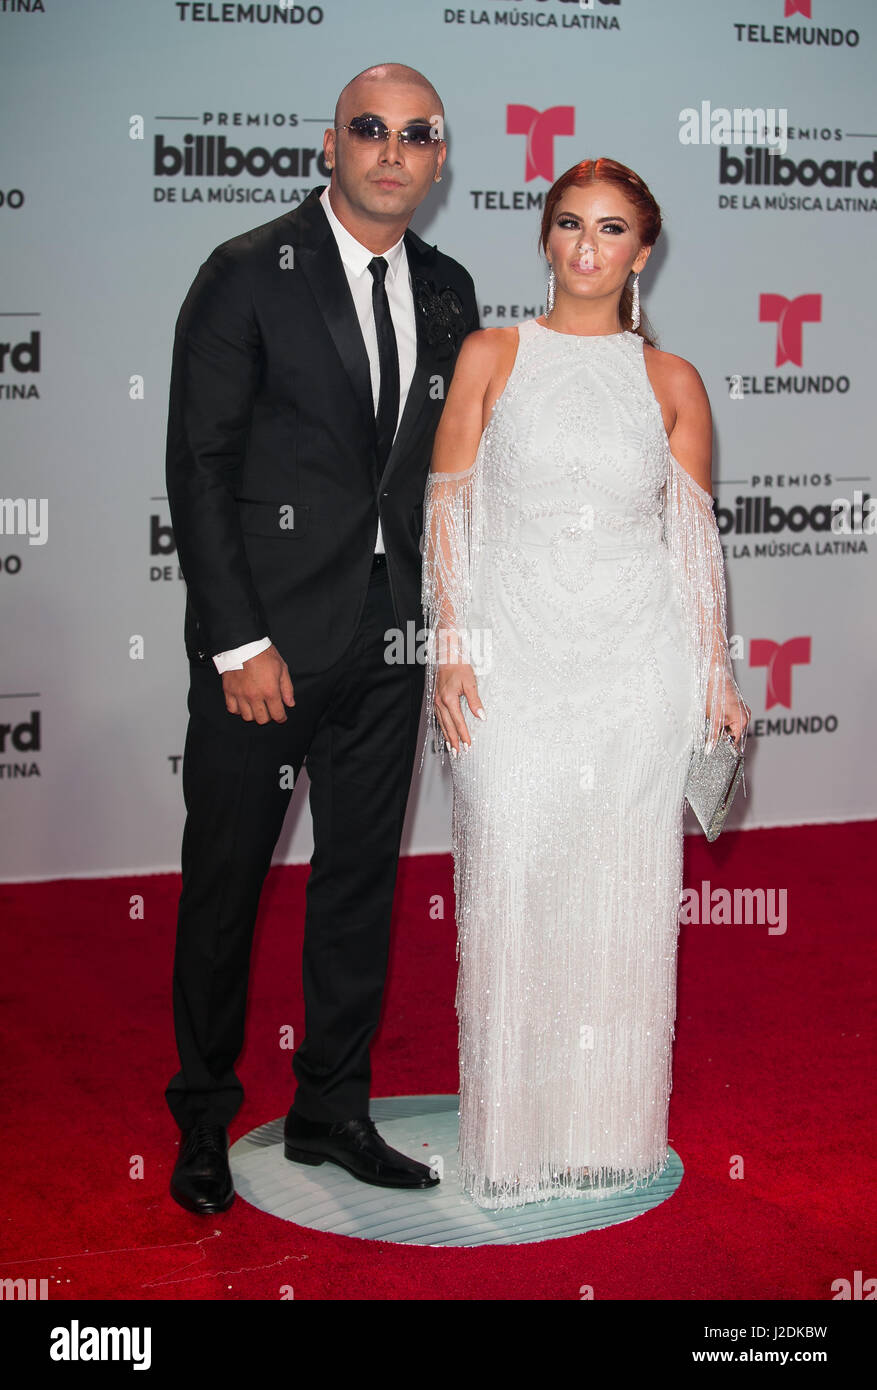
(692, 538)
(449, 542)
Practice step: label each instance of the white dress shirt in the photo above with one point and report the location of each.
(400, 296)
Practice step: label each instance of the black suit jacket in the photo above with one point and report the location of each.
(272, 469)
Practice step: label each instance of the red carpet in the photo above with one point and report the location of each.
(774, 1062)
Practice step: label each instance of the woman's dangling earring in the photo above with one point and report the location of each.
(550, 296)
(634, 311)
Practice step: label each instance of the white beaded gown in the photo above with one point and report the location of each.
(582, 567)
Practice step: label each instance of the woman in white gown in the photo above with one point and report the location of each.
(574, 590)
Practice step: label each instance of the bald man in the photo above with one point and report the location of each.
(311, 360)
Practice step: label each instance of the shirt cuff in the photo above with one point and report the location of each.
(233, 660)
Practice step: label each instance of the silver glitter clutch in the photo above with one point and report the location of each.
(712, 783)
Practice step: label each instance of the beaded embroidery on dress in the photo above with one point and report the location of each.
(581, 566)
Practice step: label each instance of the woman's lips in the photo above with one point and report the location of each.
(583, 261)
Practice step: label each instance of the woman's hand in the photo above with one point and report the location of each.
(452, 682)
(735, 713)
(737, 722)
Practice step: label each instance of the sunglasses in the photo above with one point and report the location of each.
(417, 133)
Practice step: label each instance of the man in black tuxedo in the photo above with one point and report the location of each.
(311, 360)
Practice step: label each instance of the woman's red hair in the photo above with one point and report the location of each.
(648, 217)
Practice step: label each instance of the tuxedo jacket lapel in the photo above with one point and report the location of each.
(420, 259)
(319, 260)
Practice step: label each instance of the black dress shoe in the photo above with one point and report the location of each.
(201, 1180)
(356, 1146)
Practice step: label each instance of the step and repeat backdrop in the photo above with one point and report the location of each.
(138, 136)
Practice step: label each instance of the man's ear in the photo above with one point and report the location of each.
(329, 147)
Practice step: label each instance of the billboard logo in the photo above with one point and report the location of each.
(779, 658)
(790, 315)
(20, 742)
(23, 356)
(802, 7)
(540, 128)
(211, 156)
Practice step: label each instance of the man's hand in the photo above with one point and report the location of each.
(261, 689)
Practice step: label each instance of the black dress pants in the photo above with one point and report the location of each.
(356, 726)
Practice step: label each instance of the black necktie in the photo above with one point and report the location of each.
(388, 359)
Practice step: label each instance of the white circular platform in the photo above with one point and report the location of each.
(326, 1198)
